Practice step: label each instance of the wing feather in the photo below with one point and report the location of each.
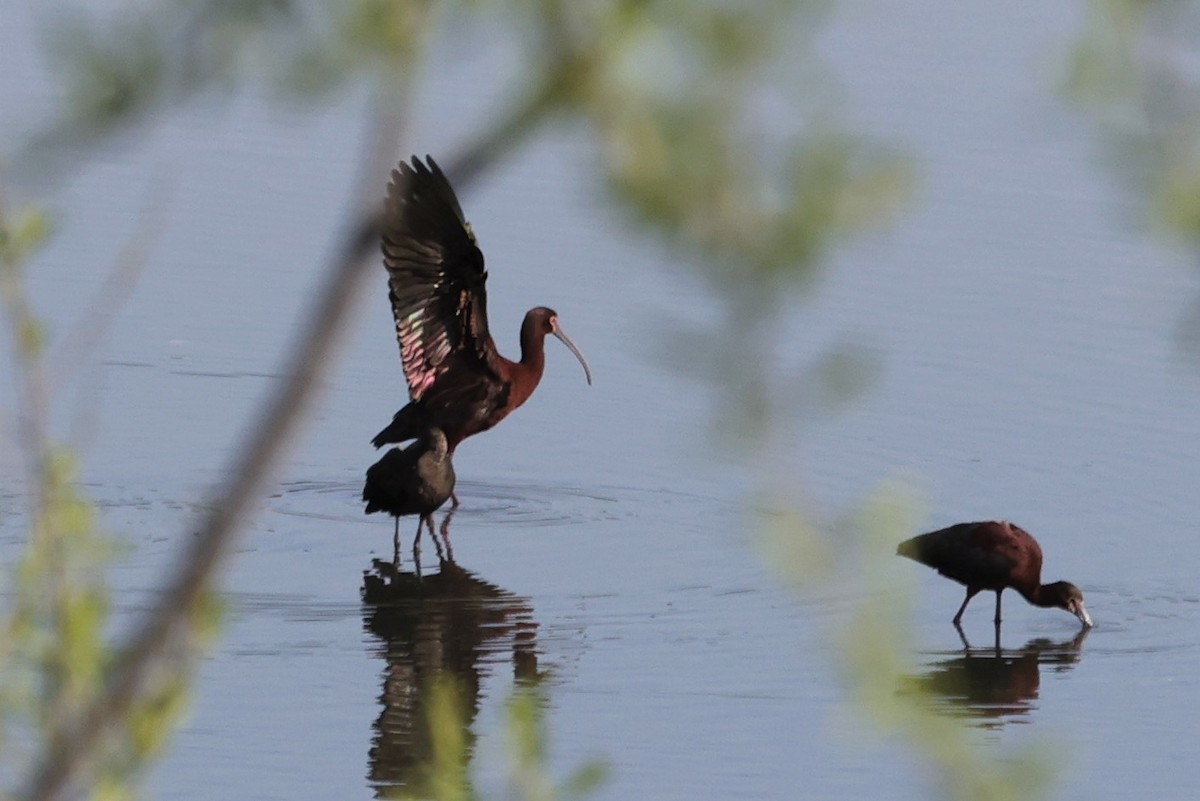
(969, 553)
(436, 281)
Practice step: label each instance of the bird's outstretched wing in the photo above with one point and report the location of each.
(436, 280)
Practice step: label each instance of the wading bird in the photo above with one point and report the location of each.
(457, 381)
(993, 555)
(413, 481)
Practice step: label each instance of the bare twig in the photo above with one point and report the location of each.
(89, 331)
(85, 338)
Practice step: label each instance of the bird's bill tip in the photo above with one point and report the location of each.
(1081, 612)
(566, 340)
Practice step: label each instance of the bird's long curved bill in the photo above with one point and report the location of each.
(566, 340)
(1081, 612)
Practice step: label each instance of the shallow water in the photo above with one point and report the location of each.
(1030, 371)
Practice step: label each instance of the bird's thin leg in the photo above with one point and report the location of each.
(416, 549)
(441, 554)
(445, 529)
(970, 594)
(997, 619)
(396, 545)
(437, 543)
(453, 499)
(962, 635)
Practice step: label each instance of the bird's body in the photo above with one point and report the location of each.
(414, 481)
(993, 555)
(457, 380)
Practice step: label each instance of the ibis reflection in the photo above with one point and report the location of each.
(432, 628)
(994, 686)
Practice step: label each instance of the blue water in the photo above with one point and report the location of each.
(1026, 332)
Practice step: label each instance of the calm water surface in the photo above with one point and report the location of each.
(1030, 372)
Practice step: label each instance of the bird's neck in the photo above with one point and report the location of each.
(1037, 597)
(527, 373)
(533, 348)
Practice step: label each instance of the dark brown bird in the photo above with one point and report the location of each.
(413, 481)
(457, 381)
(993, 555)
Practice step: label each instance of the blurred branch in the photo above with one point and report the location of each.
(1132, 72)
(248, 472)
(117, 68)
(260, 454)
(21, 237)
(277, 425)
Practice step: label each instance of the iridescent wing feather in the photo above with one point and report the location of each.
(436, 282)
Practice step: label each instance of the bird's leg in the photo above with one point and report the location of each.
(445, 529)
(970, 594)
(997, 619)
(420, 527)
(416, 549)
(396, 545)
(453, 500)
(962, 635)
(437, 543)
(428, 521)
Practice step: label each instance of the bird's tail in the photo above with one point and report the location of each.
(910, 548)
(376, 492)
(399, 430)
(370, 493)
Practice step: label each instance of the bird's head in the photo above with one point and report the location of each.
(1066, 595)
(436, 440)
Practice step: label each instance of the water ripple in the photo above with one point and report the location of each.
(489, 503)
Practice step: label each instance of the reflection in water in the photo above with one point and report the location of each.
(450, 626)
(994, 686)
